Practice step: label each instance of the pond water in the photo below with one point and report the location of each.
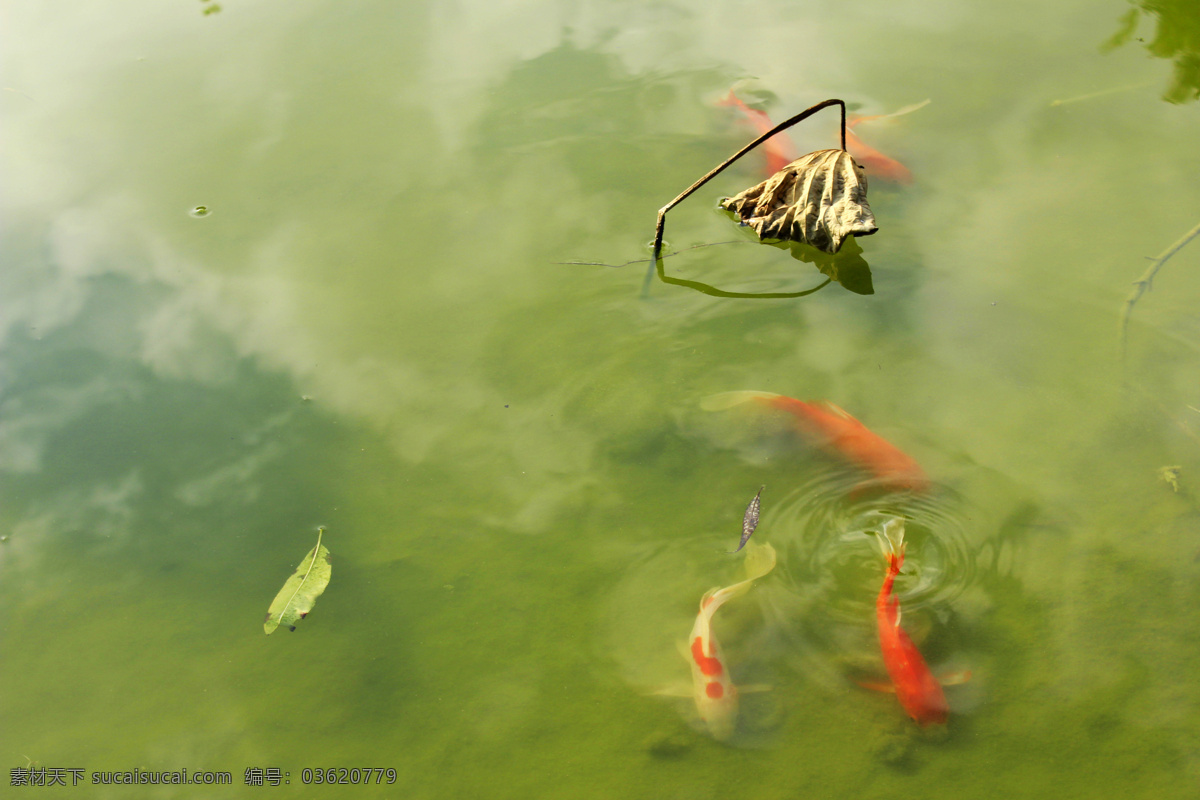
(277, 265)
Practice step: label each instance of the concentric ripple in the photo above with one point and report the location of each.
(831, 566)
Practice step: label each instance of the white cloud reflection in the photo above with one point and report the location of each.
(324, 258)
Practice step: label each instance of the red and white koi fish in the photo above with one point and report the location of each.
(716, 696)
(781, 152)
(916, 688)
(836, 432)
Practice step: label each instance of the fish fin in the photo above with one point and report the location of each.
(674, 690)
(910, 108)
(955, 678)
(877, 687)
(682, 647)
(891, 538)
(754, 687)
(899, 112)
(836, 409)
(726, 400)
(730, 99)
(882, 542)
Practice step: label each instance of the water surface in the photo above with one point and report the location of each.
(369, 330)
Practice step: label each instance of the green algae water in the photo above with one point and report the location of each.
(272, 266)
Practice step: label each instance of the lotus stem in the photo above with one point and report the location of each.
(805, 114)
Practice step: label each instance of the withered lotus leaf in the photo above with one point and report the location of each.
(818, 199)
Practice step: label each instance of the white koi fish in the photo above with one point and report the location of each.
(716, 696)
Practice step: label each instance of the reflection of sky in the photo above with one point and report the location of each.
(389, 191)
(383, 241)
(321, 249)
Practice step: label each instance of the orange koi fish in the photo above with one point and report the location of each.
(916, 688)
(716, 696)
(781, 152)
(779, 148)
(876, 163)
(835, 431)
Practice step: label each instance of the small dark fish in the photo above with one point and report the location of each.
(749, 521)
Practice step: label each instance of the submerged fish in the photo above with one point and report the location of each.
(834, 430)
(917, 690)
(781, 152)
(876, 163)
(749, 520)
(716, 696)
(779, 148)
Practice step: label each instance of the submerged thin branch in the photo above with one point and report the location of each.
(1143, 284)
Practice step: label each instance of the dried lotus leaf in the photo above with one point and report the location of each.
(818, 199)
(661, 224)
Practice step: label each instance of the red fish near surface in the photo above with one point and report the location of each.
(779, 148)
(835, 431)
(916, 688)
(781, 152)
(876, 163)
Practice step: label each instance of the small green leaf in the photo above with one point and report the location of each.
(301, 591)
(1128, 27)
(1171, 476)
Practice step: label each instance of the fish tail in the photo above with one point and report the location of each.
(759, 560)
(726, 400)
(891, 540)
(898, 113)
(731, 99)
(876, 162)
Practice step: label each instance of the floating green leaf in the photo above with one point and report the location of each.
(1171, 476)
(301, 591)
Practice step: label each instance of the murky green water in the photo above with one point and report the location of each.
(368, 330)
